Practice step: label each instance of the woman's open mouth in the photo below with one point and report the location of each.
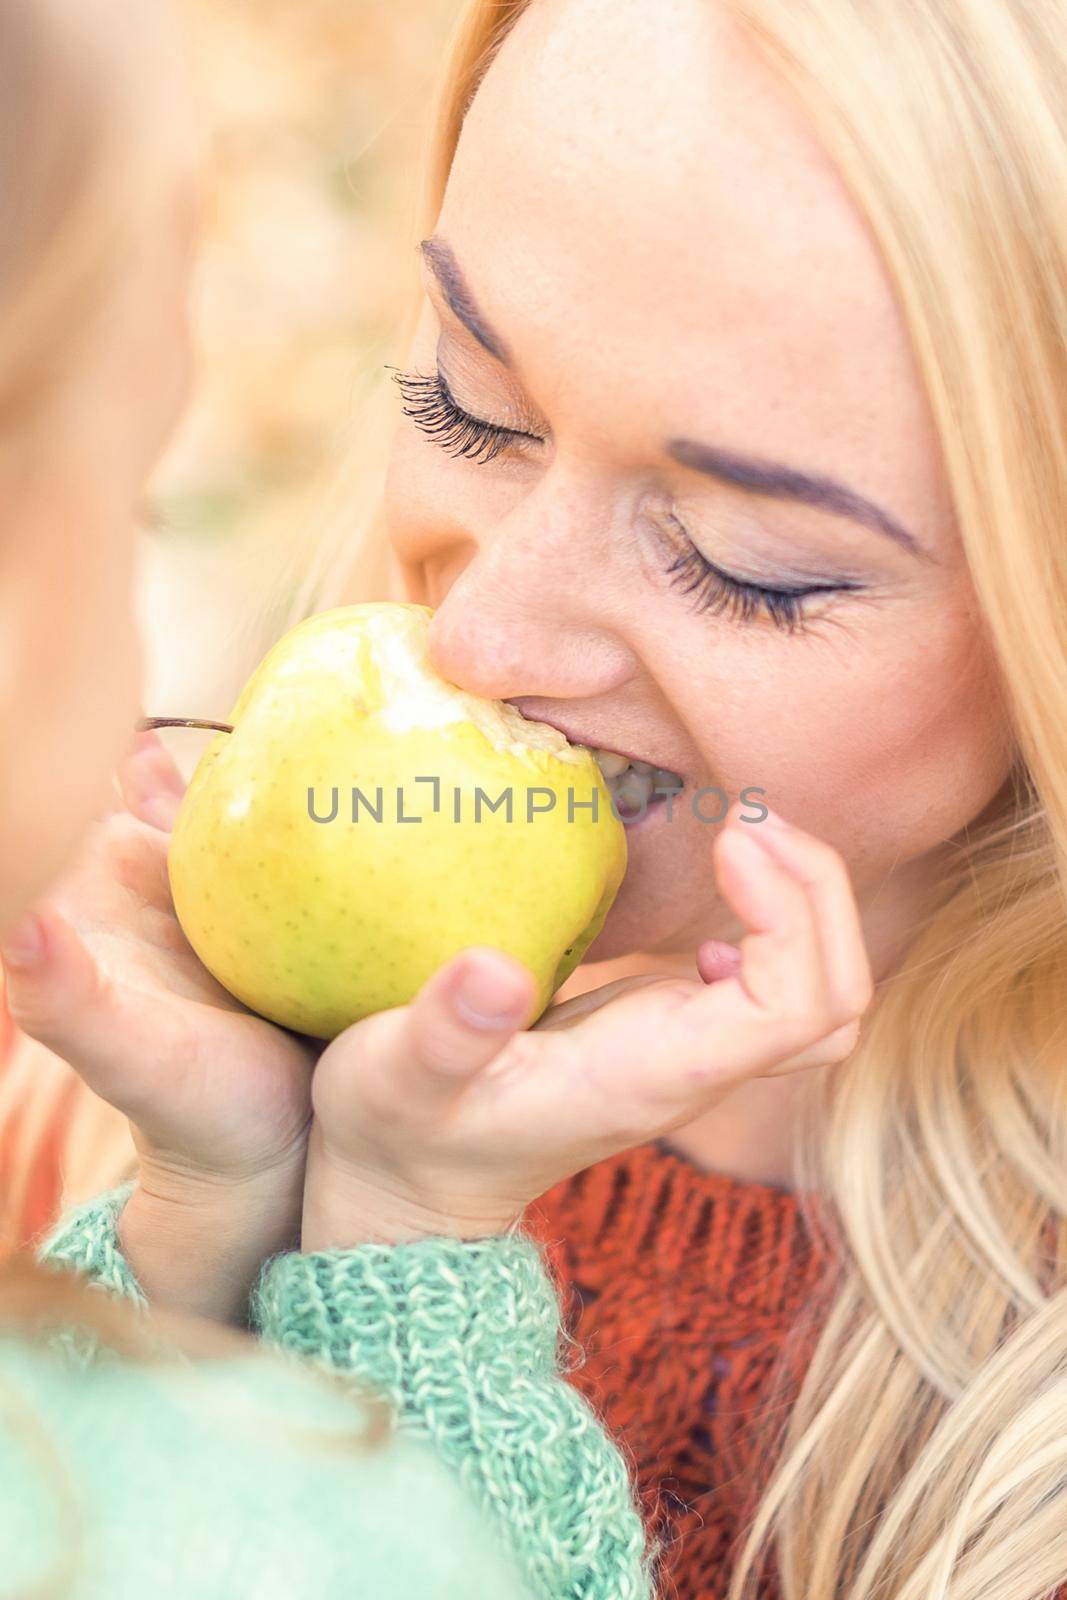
(635, 786)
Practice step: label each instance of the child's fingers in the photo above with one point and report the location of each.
(801, 999)
(57, 993)
(151, 784)
(567, 1013)
(662, 1054)
(716, 959)
(781, 956)
(458, 1022)
(463, 1016)
(837, 921)
(836, 1046)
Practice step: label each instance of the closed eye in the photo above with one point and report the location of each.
(430, 405)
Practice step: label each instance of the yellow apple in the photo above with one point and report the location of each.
(352, 833)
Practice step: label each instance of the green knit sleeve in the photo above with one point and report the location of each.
(463, 1337)
(86, 1241)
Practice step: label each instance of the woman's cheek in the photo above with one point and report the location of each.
(882, 768)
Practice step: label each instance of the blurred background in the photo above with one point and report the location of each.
(318, 113)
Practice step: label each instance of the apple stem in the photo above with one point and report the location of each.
(147, 724)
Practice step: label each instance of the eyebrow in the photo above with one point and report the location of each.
(757, 475)
(786, 483)
(446, 269)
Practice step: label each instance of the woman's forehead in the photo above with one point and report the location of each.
(635, 193)
(642, 144)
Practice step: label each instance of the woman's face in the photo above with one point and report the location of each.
(647, 271)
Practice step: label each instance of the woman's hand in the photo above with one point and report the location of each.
(218, 1099)
(442, 1117)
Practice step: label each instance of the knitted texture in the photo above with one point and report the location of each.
(681, 1288)
(207, 1480)
(689, 1293)
(86, 1241)
(463, 1337)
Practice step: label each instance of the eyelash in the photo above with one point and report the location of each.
(717, 592)
(429, 404)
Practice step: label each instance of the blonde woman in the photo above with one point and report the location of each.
(353, 1210)
(205, 1468)
(734, 445)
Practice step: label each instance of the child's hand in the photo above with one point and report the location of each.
(218, 1098)
(428, 1121)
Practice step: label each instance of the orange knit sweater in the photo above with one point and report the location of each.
(680, 1287)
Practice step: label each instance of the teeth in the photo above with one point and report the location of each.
(611, 764)
(635, 784)
(632, 792)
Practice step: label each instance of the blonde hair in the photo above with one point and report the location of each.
(925, 1457)
(65, 186)
(69, 172)
(73, 161)
(66, 182)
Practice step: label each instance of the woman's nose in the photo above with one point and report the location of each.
(530, 613)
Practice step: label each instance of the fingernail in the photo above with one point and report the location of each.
(716, 959)
(487, 998)
(148, 783)
(24, 945)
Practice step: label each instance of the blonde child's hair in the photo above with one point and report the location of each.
(67, 181)
(70, 162)
(60, 129)
(73, 160)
